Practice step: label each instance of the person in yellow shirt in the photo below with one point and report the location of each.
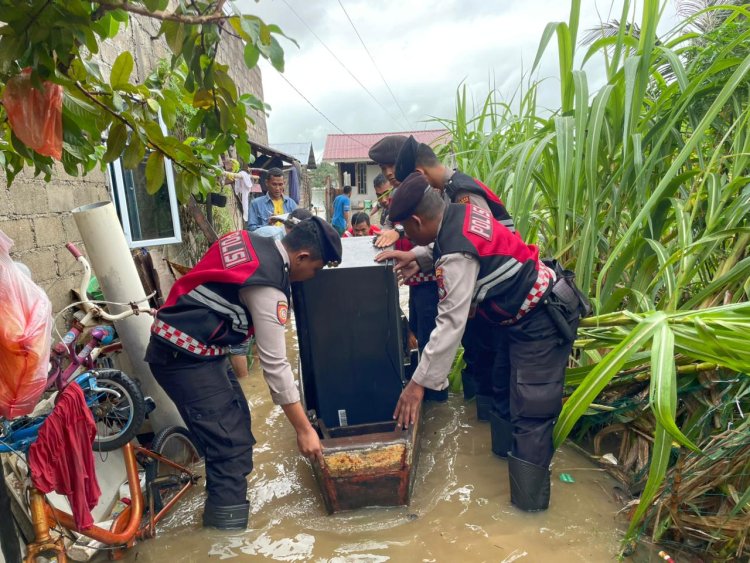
(272, 204)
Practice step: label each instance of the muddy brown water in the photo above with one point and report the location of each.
(460, 508)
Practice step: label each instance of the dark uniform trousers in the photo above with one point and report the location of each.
(212, 404)
(527, 380)
(423, 306)
(479, 352)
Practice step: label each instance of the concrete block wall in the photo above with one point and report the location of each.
(37, 215)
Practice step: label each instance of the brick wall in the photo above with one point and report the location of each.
(37, 216)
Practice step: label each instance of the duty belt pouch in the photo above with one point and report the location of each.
(566, 291)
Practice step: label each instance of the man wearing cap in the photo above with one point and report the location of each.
(458, 187)
(423, 290)
(239, 288)
(482, 265)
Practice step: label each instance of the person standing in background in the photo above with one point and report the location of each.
(274, 203)
(341, 219)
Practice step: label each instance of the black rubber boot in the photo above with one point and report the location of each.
(484, 405)
(232, 517)
(502, 435)
(436, 396)
(469, 383)
(529, 485)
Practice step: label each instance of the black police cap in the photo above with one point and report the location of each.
(330, 242)
(386, 149)
(406, 161)
(407, 196)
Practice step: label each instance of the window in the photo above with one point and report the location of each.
(147, 220)
(361, 178)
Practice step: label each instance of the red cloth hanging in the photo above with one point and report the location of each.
(62, 458)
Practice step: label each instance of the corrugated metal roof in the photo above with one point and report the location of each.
(354, 147)
(301, 151)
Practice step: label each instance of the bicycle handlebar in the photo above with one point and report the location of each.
(73, 250)
(91, 308)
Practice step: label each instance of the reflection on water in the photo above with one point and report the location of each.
(460, 508)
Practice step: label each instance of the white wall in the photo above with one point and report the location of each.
(357, 198)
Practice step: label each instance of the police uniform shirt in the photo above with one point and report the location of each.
(424, 253)
(457, 276)
(269, 310)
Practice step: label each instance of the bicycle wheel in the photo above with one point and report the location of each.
(119, 409)
(173, 443)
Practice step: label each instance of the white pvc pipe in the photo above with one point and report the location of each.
(110, 258)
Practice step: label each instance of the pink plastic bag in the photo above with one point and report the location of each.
(35, 116)
(25, 335)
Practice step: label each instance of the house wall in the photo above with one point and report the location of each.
(37, 216)
(358, 200)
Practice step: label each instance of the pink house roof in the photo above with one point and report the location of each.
(354, 147)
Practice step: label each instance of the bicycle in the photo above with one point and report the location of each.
(169, 463)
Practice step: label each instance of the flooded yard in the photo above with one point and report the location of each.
(460, 508)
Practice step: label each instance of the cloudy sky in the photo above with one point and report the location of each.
(424, 48)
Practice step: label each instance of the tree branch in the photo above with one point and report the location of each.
(216, 16)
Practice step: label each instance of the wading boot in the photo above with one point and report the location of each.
(231, 517)
(469, 384)
(529, 485)
(502, 435)
(484, 405)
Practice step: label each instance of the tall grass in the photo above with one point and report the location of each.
(642, 186)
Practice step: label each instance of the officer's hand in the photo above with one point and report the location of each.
(405, 262)
(309, 445)
(408, 404)
(386, 239)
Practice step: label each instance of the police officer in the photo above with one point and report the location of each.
(240, 287)
(480, 264)
(423, 289)
(458, 187)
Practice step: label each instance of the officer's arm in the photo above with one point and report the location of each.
(268, 308)
(424, 258)
(457, 276)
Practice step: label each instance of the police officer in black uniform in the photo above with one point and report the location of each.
(240, 287)
(480, 264)
(458, 187)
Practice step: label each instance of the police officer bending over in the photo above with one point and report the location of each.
(240, 287)
(480, 264)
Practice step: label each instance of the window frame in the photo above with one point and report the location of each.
(361, 178)
(119, 199)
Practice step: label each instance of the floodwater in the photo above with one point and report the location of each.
(460, 508)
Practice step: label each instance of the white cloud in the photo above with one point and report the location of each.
(424, 48)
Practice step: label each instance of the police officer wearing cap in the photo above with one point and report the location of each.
(423, 291)
(458, 187)
(240, 287)
(482, 265)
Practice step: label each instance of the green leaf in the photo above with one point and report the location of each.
(118, 136)
(134, 152)
(155, 173)
(585, 394)
(276, 54)
(252, 54)
(121, 70)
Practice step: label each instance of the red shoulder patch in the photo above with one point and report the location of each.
(282, 312)
(233, 250)
(480, 222)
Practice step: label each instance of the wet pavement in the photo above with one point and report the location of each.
(460, 509)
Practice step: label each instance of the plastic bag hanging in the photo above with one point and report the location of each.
(25, 337)
(35, 116)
